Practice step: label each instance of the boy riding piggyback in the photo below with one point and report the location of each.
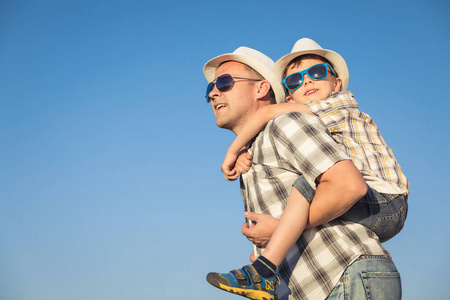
(315, 81)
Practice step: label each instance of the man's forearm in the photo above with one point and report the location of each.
(338, 190)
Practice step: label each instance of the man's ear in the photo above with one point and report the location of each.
(337, 84)
(263, 88)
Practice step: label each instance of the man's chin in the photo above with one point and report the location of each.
(224, 125)
(221, 124)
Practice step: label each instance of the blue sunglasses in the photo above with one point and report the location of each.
(316, 72)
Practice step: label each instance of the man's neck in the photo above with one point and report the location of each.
(244, 120)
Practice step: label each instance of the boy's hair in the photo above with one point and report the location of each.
(298, 60)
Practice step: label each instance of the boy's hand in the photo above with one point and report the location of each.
(243, 162)
(233, 165)
(228, 170)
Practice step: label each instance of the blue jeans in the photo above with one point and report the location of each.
(384, 214)
(371, 278)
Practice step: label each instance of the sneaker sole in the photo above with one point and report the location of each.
(252, 294)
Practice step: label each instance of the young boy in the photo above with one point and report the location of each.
(312, 83)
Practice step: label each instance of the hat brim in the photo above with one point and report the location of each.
(334, 58)
(210, 68)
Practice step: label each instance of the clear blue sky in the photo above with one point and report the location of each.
(110, 182)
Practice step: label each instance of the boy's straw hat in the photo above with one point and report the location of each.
(307, 46)
(258, 61)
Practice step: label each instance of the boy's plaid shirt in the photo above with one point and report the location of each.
(361, 140)
(290, 145)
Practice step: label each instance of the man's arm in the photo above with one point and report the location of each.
(338, 189)
(339, 183)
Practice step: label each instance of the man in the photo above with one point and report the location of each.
(327, 257)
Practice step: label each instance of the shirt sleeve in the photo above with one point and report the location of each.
(302, 142)
(335, 110)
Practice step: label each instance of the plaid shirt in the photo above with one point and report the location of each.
(361, 140)
(293, 144)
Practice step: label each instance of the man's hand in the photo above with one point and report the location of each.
(261, 232)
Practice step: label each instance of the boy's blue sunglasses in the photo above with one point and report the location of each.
(224, 83)
(316, 72)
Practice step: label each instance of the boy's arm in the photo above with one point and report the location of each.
(251, 128)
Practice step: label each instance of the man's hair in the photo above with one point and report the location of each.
(298, 60)
(256, 74)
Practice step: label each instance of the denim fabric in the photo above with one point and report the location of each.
(384, 214)
(304, 188)
(369, 278)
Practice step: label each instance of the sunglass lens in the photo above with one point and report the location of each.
(209, 88)
(317, 72)
(294, 81)
(224, 82)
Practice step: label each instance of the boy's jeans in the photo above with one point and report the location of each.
(384, 214)
(369, 277)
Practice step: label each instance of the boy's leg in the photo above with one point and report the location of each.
(291, 225)
(384, 214)
(369, 277)
(304, 188)
(247, 281)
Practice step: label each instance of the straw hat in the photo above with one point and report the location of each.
(258, 61)
(307, 46)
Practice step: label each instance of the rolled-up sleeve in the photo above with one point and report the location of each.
(302, 142)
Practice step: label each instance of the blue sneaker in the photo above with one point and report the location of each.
(245, 282)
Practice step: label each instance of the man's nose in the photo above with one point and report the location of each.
(214, 93)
